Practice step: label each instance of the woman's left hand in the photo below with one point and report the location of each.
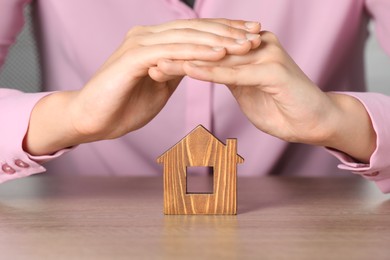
(279, 99)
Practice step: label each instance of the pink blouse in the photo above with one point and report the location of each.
(325, 38)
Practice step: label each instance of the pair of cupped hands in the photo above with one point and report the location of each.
(135, 83)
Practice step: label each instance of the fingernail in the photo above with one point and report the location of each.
(252, 36)
(251, 25)
(218, 48)
(241, 41)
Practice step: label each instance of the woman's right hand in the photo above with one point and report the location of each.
(129, 90)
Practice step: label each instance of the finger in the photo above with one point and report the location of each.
(250, 26)
(231, 60)
(268, 50)
(171, 81)
(241, 75)
(175, 67)
(233, 46)
(156, 74)
(138, 61)
(224, 27)
(170, 67)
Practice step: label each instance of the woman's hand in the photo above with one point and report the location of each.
(279, 99)
(129, 89)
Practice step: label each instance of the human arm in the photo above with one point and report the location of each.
(40, 118)
(123, 95)
(279, 99)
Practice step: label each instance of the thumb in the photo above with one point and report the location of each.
(246, 75)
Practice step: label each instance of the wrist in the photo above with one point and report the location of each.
(49, 127)
(349, 128)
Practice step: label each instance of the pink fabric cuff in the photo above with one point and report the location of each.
(16, 109)
(378, 169)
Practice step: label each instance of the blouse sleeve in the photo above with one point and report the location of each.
(15, 106)
(378, 168)
(378, 107)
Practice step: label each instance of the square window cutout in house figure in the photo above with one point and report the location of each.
(200, 179)
(201, 148)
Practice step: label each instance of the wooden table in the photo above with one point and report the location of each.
(48, 217)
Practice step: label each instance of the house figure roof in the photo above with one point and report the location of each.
(200, 142)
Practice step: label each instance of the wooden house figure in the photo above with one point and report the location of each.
(201, 148)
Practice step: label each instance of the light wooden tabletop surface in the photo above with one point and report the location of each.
(46, 217)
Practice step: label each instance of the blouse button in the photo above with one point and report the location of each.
(7, 169)
(21, 164)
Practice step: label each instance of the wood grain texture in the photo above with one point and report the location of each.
(46, 217)
(201, 148)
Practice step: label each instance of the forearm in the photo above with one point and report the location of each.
(350, 129)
